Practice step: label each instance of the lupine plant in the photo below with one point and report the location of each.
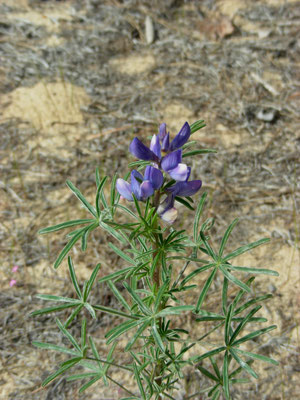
(160, 264)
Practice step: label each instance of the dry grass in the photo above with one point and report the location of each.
(78, 81)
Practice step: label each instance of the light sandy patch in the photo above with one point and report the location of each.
(54, 41)
(53, 109)
(175, 115)
(231, 7)
(285, 260)
(134, 64)
(229, 137)
(16, 3)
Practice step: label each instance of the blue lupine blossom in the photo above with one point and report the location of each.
(171, 162)
(141, 187)
(164, 156)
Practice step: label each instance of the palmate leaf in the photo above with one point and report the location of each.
(78, 353)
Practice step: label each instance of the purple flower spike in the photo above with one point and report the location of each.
(155, 146)
(181, 138)
(139, 150)
(124, 188)
(155, 176)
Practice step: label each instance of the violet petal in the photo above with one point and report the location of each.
(186, 188)
(180, 173)
(136, 180)
(124, 189)
(146, 190)
(155, 176)
(155, 146)
(139, 150)
(181, 138)
(170, 161)
(166, 142)
(162, 131)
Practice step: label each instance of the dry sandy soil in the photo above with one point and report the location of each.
(79, 79)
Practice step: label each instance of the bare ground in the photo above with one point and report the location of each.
(78, 82)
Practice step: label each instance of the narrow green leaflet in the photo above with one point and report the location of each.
(91, 282)
(137, 335)
(68, 247)
(100, 187)
(82, 199)
(61, 370)
(253, 335)
(50, 346)
(243, 364)
(234, 280)
(257, 356)
(226, 236)
(251, 302)
(228, 324)
(74, 278)
(197, 125)
(252, 270)
(225, 376)
(121, 254)
(65, 225)
(243, 323)
(198, 214)
(53, 309)
(174, 310)
(208, 354)
(157, 338)
(119, 296)
(205, 289)
(245, 248)
(68, 335)
(207, 373)
(197, 152)
(115, 275)
(137, 299)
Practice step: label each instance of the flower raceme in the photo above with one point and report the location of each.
(171, 162)
(144, 187)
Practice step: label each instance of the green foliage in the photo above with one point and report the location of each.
(150, 295)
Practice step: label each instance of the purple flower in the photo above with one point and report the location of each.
(171, 163)
(141, 187)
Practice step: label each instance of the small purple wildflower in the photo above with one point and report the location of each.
(171, 162)
(12, 282)
(15, 268)
(141, 187)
